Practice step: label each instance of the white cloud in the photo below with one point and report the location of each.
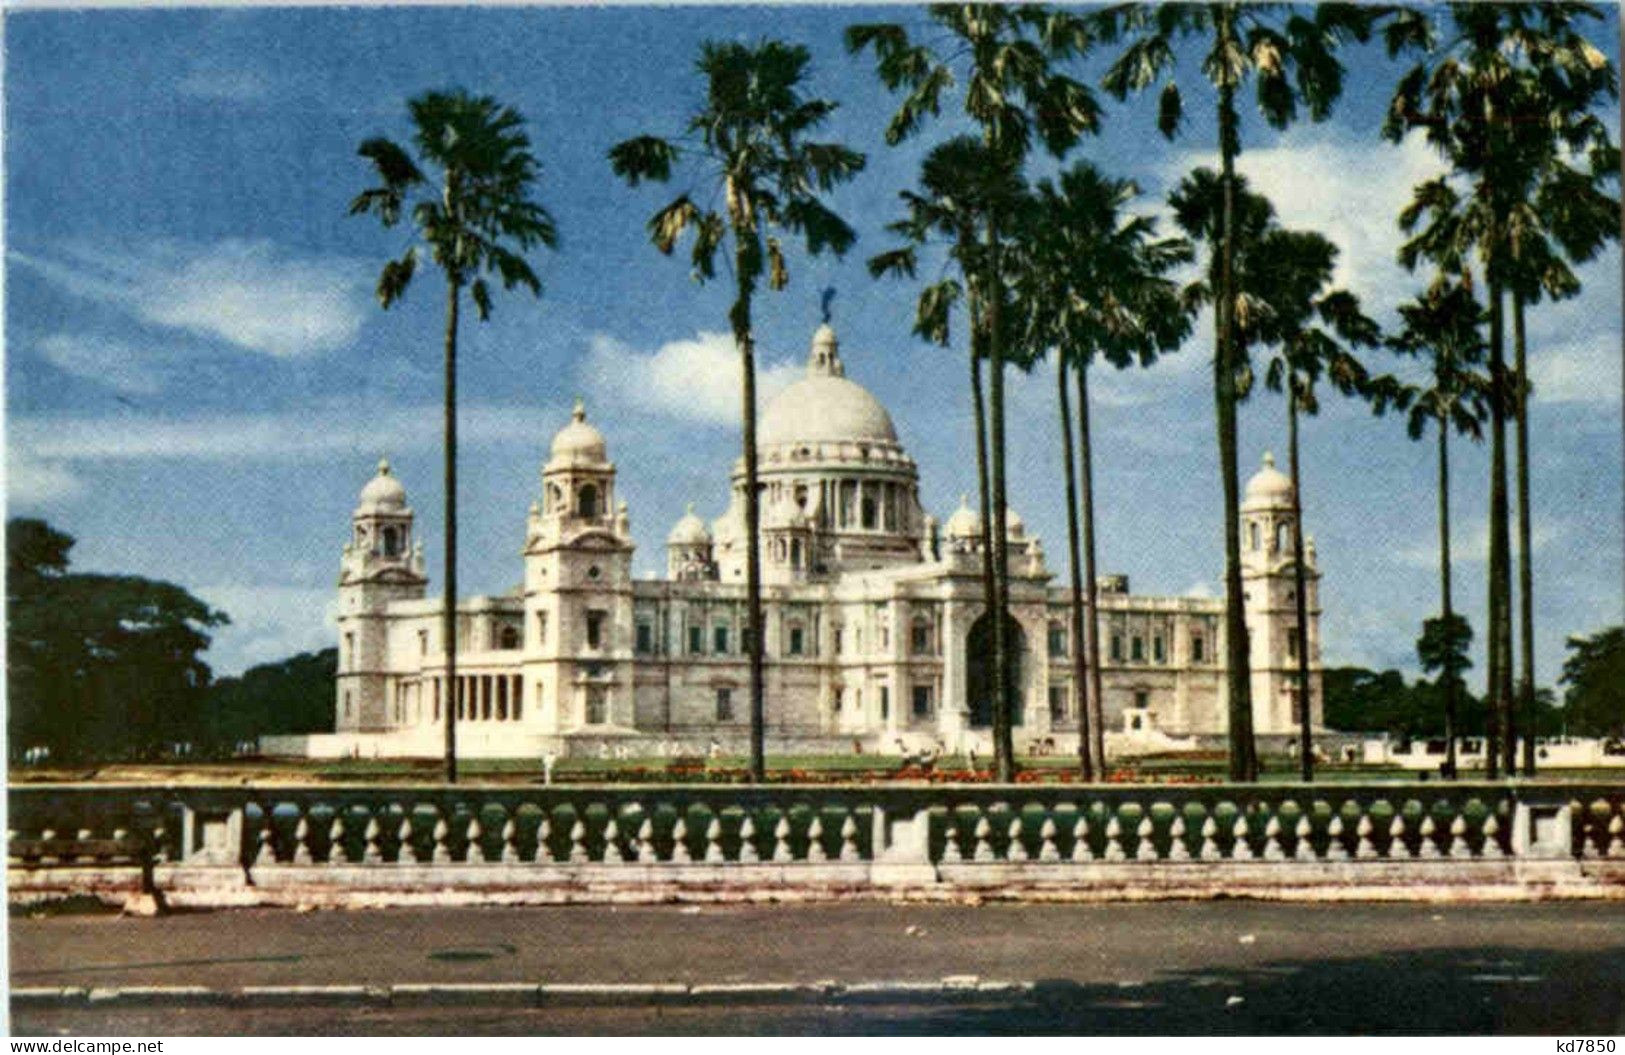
(695, 379)
(55, 438)
(1577, 371)
(268, 623)
(108, 362)
(1351, 192)
(249, 294)
(1470, 543)
(1200, 590)
(30, 481)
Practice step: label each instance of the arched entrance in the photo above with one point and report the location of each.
(979, 687)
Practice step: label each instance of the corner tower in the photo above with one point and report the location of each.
(1271, 603)
(381, 563)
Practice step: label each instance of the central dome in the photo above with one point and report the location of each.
(824, 406)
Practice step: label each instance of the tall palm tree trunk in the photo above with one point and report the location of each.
(1080, 695)
(1003, 715)
(990, 593)
(1526, 575)
(1243, 756)
(448, 626)
(1306, 754)
(745, 339)
(1499, 658)
(1444, 587)
(1086, 480)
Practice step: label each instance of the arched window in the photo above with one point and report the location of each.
(1283, 536)
(1252, 535)
(555, 498)
(868, 513)
(392, 542)
(587, 501)
(509, 637)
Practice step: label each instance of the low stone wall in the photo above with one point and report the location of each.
(451, 845)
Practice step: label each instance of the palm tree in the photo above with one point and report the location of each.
(750, 138)
(1509, 87)
(467, 194)
(1443, 324)
(1291, 57)
(1093, 278)
(1311, 329)
(1013, 94)
(961, 181)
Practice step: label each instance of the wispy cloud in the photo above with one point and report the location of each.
(694, 379)
(108, 362)
(1470, 544)
(31, 482)
(249, 294)
(268, 622)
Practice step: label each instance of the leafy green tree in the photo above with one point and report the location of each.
(1502, 90)
(1007, 58)
(1092, 281)
(1291, 57)
(294, 695)
(1443, 324)
(467, 196)
(750, 136)
(98, 666)
(1594, 683)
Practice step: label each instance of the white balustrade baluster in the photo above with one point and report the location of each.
(1114, 840)
(679, 842)
(336, 854)
(983, 836)
(1365, 849)
(301, 842)
(1145, 845)
(510, 841)
(475, 854)
(815, 840)
(849, 839)
(1397, 845)
(544, 839)
(646, 841)
(613, 854)
(405, 835)
(442, 840)
(713, 840)
(1177, 849)
(1047, 850)
(371, 852)
(1336, 848)
(781, 840)
(1080, 839)
(578, 841)
(1492, 837)
(1303, 845)
(1428, 845)
(1616, 835)
(1016, 850)
(1210, 839)
(951, 853)
(265, 853)
(747, 841)
(1273, 850)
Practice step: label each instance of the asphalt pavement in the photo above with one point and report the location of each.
(1218, 967)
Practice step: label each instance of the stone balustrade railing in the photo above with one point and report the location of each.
(842, 835)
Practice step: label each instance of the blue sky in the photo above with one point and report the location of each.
(198, 381)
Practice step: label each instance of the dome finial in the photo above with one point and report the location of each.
(1269, 460)
(580, 411)
(383, 466)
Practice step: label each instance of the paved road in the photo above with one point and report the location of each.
(1174, 968)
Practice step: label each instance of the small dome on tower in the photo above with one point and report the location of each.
(383, 493)
(1269, 486)
(964, 523)
(1014, 526)
(579, 441)
(689, 530)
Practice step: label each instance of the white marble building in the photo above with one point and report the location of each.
(875, 627)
